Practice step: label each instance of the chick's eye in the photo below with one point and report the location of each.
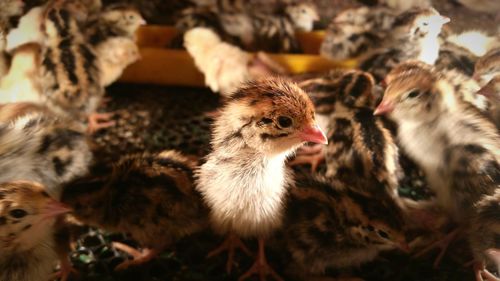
(284, 121)
(425, 23)
(413, 94)
(18, 213)
(383, 234)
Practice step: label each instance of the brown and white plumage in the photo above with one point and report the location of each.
(492, 92)
(27, 231)
(150, 196)
(333, 224)
(114, 55)
(456, 146)
(244, 180)
(36, 145)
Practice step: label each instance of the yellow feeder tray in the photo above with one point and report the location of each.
(163, 66)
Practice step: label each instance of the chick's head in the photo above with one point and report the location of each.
(303, 15)
(271, 115)
(27, 214)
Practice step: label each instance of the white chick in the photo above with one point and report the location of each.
(21, 83)
(224, 66)
(114, 55)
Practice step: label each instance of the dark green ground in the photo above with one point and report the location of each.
(155, 118)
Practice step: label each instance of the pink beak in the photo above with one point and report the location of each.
(313, 134)
(403, 246)
(384, 107)
(55, 208)
(445, 20)
(485, 91)
(142, 22)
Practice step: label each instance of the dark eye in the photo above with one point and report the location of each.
(284, 121)
(383, 234)
(413, 94)
(18, 213)
(425, 24)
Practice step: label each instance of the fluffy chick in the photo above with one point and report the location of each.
(21, 83)
(332, 224)
(457, 147)
(150, 196)
(38, 146)
(27, 231)
(116, 20)
(114, 55)
(244, 180)
(492, 92)
(414, 35)
(69, 70)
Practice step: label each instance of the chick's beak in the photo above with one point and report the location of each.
(403, 246)
(445, 20)
(486, 91)
(55, 208)
(384, 107)
(313, 134)
(142, 22)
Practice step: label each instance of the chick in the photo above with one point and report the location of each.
(116, 20)
(21, 82)
(29, 30)
(456, 146)
(27, 231)
(331, 224)
(150, 196)
(414, 35)
(487, 66)
(492, 92)
(244, 180)
(357, 30)
(51, 150)
(225, 66)
(70, 71)
(114, 55)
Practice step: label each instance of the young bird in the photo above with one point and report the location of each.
(455, 145)
(150, 196)
(114, 55)
(487, 66)
(492, 92)
(414, 35)
(244, 180)
(70, 71)
(116, 20)
(51, 150)
(484, 235)
(21, 83)
(27, 231)
(333, 224)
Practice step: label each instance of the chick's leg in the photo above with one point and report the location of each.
(98, 121)
(261, 267)
(442, 244)
(138, 257)
(230, 245)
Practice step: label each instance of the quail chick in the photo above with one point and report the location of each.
(114, 55)
(331, 224)
(51, 150)
(414, 35)
(21, 82)
(492, 92)
(455, 145)
(357, 30)
(244, 180)
(27, 231)
(150, 196)
(487, 66)
(70, 71)
(29, 29)
(116, 20)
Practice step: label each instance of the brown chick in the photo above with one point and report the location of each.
(332, 224)
(492, 92)
(150, 196)
(244, 180)
(70, 71)
(456, 146)
(28, 231)
(36, 145)
(114, 55)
